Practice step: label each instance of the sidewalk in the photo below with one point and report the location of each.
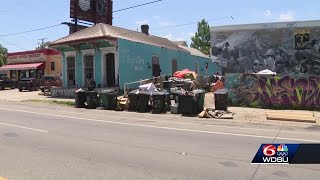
(15, 95)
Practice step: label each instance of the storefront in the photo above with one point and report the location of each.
(33, 64)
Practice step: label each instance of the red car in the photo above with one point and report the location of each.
(49, 81)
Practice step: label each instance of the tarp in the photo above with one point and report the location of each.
(148, 87)
(186, 74)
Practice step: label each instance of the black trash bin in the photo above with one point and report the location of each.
(200, 96)
(158, 102)
(108, 99)
(143, 102)
(133, 101)
(80, 98)
(188, 105)
(92, 100)
(221, 99)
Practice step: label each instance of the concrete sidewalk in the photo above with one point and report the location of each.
(15, 95)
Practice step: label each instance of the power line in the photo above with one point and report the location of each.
(12, 44)
(139, 5)
(23, 32)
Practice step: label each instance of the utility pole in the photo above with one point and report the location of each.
(42, 42)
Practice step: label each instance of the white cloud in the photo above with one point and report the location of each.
(267, 13)
(169, 36)
(191, 34)
(180, 39)
(289, 16)
(142, 22)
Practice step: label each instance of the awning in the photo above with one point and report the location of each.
(21, 66)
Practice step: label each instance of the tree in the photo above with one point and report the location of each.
(45, 46)
(201, 40)
(3, 55)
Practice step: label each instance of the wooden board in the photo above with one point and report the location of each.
(291, 117)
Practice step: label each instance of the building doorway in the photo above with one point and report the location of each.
(174, 66)
(71, 71)
(110, 70)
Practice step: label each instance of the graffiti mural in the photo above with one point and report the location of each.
(269, 91)
(294, 50)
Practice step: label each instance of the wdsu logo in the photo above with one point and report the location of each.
(272, 154)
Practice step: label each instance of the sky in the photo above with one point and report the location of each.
(162, 17)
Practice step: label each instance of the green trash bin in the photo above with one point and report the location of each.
(108, 99)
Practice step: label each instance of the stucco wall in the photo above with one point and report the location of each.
(280, 47)
(136, 61)
(288, 91)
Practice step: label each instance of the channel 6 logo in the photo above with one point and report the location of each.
(272, 154)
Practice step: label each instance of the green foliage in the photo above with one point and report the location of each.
(201, 40)
(45, 46)
(3, 55)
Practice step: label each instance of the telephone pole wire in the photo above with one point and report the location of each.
(42, 42)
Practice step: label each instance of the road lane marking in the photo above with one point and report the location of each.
(23, 127)
(185, 123)
(163, 127)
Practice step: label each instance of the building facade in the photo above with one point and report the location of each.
(33, 64)
(114, 56)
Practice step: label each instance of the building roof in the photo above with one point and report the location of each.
(271, 25)
(44, 51)
(193, 51)
(105, 31)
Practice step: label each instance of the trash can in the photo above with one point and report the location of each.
(108, 99)
(133, 100)
(158, 102)
(167, 85)
(143, 102)
(200, 96)
(188, 105)
(221, 99)
(92, 100)
(175, 95)
(80, 98)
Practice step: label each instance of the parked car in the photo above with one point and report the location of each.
(30, 84)
(49, 81)
(6, 82)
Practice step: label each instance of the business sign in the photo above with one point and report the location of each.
(26, 58)
(96, 11)
(287, 154)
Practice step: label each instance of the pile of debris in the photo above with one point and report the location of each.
(217, 114)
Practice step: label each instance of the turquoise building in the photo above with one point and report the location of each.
(113, 56)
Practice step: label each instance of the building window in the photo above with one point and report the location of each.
(88, 69)
(53, 66)
(71, 71)
(174, 66)
(156, 71)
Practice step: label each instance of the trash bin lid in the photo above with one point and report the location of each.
(221, 91)
(159, 93)
(134, 91)
(80, 90)
(108, 91)
(144, 92)
(198, 91)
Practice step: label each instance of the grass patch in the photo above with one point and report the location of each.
(63, 103)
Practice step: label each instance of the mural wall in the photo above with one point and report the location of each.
(288, 91)
(281, 50)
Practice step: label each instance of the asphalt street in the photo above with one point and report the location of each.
(39, 141)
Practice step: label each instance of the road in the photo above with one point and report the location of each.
(41, 141)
